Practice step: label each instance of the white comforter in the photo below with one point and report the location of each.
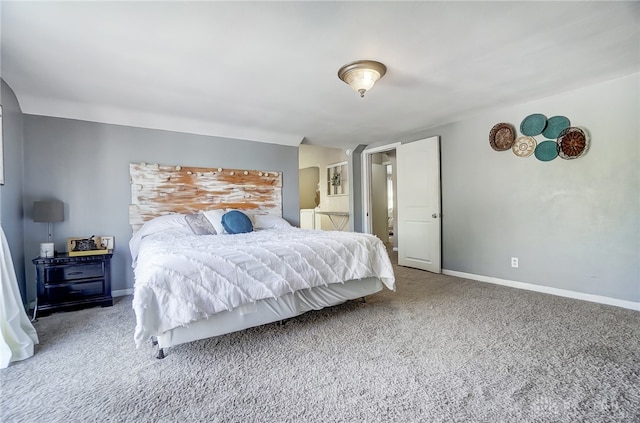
(181, 278)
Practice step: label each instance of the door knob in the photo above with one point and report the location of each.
(435, 215)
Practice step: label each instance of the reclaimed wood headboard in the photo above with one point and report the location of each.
(158, 190)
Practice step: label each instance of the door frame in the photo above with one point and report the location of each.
(367, 225)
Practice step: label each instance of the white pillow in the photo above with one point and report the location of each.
(269, 221)
(162, 223)
(215, 217)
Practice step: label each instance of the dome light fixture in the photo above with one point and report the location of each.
(361, 75)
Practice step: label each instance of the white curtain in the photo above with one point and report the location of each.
(18, 334)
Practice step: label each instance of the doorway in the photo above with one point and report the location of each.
(383, 198)
(379, 195)
(417, 203)
(309, 181)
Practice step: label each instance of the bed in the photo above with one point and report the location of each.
(190, 287)
(196, 277)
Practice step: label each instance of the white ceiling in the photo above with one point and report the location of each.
(266, 71)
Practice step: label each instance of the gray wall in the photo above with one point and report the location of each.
(11, 191)
(573, 224)
(86, 165)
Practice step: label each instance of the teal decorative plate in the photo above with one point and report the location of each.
(555, 125)
(546, 151)
(533, 124)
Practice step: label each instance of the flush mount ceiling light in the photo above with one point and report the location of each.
(362, 74)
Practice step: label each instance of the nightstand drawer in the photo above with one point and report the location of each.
(64, 292)
(74, 272)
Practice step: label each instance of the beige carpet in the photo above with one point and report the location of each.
(440, 349)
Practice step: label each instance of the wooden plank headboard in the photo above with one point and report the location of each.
(158, 190)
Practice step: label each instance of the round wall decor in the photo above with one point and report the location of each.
(502, 136)
(555, 125)
(572, 143)
(524, 146)
(546, 151)
(533, 124)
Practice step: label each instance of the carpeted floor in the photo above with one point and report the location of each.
(440, 349)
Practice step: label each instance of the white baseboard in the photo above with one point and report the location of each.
(632, 305)
(122, 292)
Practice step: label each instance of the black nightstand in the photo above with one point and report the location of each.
(71, 283)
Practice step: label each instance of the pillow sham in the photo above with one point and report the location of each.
(236, 222)
(215, 218)
(174, 222)
(162, 223)
(199, 224)
(268, 221)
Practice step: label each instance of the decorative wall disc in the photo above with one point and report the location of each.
(524, 146)
(546, 151)
(555, 125)
(502, 136)
(533, 124)
(572, 143)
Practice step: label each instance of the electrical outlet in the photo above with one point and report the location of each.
(106, 242)
(514, 261)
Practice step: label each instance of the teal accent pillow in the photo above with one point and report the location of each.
(236, 222)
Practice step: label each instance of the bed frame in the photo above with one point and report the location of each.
(267, 311)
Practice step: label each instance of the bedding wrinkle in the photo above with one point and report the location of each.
(175, 307)
(212, 279)
(238, 276)
(316, 260)
(263, 261)
(311, 267)
(341, 255)
(181, 277)
(294, 270)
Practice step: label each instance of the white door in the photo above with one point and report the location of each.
(379, 201)
(418, 214)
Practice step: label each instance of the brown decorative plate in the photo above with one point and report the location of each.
(572, 143)
(502, 136)
(524, 146)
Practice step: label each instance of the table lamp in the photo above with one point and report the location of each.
(48, 211)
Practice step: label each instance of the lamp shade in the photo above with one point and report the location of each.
(48, 211)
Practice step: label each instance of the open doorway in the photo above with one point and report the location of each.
(391, 202)
(324, 188)
(417, 200)
(383, 200)
(309, 179)
(380, 186)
